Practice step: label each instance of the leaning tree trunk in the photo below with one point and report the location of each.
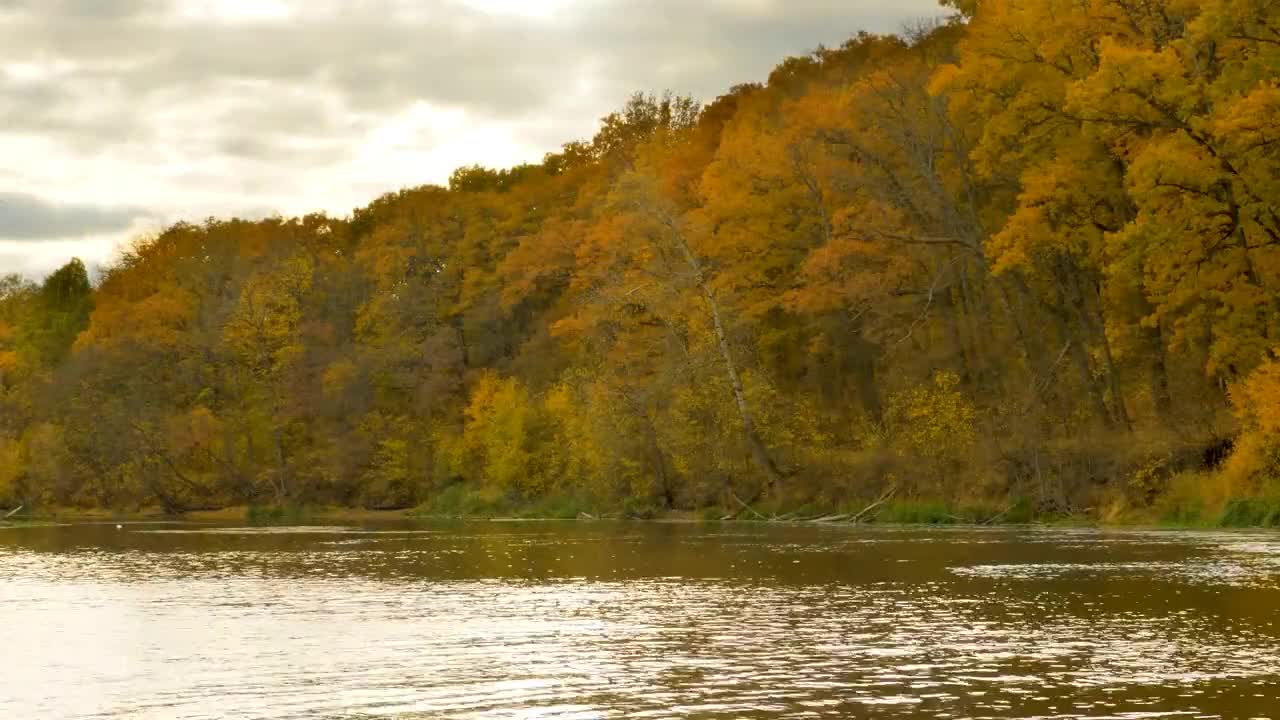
(1161, 398)
(281, 485)
(759, 453)
(1076, 325)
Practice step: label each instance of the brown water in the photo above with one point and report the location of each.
(548, 620)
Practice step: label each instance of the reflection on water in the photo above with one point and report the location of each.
(637, 621)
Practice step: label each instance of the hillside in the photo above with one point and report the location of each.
(1028, 258)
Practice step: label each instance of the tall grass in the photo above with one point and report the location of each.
(463, 501)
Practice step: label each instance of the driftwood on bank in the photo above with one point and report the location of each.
(793, 517)
(745, 506)
(998, 516)
(885, 497)
(14, 511)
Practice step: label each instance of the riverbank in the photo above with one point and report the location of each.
(231, 514)
(1238, 513)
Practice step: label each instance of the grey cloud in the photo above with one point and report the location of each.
(36, 266)
(280, 150)
(298, 94)
(23, 263)
(243, 77)
(373, 63)
(227, 114)
(710, 47)
(98, 9)
(290, 130)
(26, 217)
(498, 65)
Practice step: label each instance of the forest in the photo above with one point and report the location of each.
(1020, 262)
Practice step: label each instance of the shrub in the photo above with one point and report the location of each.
(1254, 466)
(1251, 512)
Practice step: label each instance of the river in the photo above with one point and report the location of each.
(605, 620)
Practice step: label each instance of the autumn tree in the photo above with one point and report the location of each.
(963, 261)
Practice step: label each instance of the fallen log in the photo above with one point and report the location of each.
(884, 498)
(745, 506)
(996, 518)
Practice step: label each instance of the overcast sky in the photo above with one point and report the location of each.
(120, 116)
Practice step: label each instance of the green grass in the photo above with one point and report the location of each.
(278, 515)
(917, 512)
(556, 507)
(1179, 509)
(1187, 514)
(1254, 512)
(1194, 513)
(1200, 500)
(712, 514)
(933, 512)
(462, 501)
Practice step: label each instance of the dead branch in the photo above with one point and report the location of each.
(884, 498)
(745, 506)
(996, 518)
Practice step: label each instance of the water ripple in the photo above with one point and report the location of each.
(326, 628)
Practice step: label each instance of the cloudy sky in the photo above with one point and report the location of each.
(120, 116)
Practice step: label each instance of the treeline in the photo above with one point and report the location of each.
(1028, 255)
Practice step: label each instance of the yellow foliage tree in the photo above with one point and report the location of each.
(502, 443)
(934, 422)
(1254, 466)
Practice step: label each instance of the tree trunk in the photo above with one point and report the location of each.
(1072, 297)
(660, 466)
(281, 485)
(1080, 358)
(759, 453)
(864, 375)
(1032, 364)
(1113, 382)
(967, 312)
(235, 478)
(956, 327)
(1161, 399)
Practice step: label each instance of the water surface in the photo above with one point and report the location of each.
(600, 620)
